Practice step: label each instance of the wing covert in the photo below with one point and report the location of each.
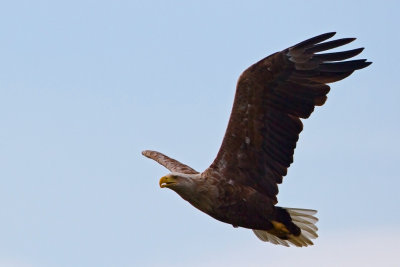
(169, 163)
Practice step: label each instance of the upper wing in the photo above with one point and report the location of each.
(171, 164)
(271, 97)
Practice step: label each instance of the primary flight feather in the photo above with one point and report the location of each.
(272, 96)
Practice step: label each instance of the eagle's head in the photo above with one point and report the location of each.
(177, 181)
(191, 187)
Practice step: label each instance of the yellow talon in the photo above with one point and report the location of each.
(280, 227)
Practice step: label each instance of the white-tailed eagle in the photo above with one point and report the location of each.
(272, 96)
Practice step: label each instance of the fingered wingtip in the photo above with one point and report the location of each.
(314, 40)
(330, 33)
(364, 64)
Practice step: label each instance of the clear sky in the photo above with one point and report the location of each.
(85, 86)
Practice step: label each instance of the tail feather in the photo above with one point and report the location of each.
(304, 219)
(267, 237)
(307, 230)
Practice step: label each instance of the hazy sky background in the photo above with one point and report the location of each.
(85, 86)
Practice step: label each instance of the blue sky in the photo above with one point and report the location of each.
(85, 86)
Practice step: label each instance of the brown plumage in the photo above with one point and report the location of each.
(241, 185)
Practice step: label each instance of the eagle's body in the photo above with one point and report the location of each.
(240, 205)
(241, 185)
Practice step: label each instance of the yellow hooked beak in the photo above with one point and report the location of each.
(166, 181)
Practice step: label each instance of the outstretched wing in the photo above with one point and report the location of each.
(171, 164)
(271, 97)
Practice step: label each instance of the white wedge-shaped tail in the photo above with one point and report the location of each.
(305, 220)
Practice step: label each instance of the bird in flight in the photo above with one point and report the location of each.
(272, 96)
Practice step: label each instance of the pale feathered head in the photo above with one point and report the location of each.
(179, 182)
(190, 187)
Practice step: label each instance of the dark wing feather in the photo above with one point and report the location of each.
(271, 97)
(171, 164)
